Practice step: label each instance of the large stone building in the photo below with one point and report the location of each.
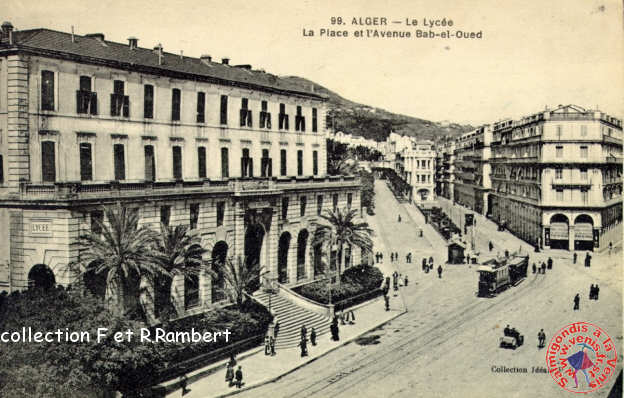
(419, 170)
(471, 184)
(557, 176)
(236, 153)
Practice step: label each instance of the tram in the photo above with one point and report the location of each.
(497, 274)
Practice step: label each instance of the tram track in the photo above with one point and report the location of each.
(383, 362)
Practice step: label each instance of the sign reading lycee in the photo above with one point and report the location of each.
(41, 227)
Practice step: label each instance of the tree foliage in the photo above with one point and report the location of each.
(341, 229)
(69, 369)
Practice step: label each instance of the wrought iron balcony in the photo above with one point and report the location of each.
(114, 190)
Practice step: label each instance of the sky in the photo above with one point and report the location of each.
(532, 53)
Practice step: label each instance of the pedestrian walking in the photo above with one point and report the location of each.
(541, 337)
(229, 375)
(543, 267)
(239, 377)
(232, 361)
(424, 263)
(381, 257)
(430, 261)
(304, 347)
(267, 345)
(399, 218)
(610, 248)
(313, 336)
(490, 245)
(574, 257)
(534, 268)
(550, 262)
(467, 258)
(350, 317)
(591, 291)
(304, 332)
(387, 302)
(577, 300)
(587, 260)
(406, 281)
(276, 329)
(184, 384)
(439, 271)
(335, 331)
(596, 292)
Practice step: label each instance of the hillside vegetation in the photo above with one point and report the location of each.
(376, 123)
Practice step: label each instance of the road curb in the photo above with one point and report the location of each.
(276, 378)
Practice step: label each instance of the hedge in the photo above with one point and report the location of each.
(354, 281)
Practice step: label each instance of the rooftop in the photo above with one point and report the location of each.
(95, 49)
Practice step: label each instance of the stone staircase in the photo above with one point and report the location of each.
(291, 317)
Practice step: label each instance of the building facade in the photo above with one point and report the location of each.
(472, 184)
(419, 164)
(237, 154)
(557, 177)
(445, 170)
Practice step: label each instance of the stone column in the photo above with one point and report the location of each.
(571, 237)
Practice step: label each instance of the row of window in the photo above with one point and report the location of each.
(86, 103)
(97, 216)
(303, 202)
(48, 162)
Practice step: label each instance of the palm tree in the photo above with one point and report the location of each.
(239, 276)
(177, 251)
(121, 251)
(342, 229)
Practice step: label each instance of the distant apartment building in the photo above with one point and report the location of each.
(419, 164)
(557, 177)
(445, 170)
(237, 154)
(471, 172)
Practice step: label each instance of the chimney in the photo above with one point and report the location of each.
(225, 61)
(7, 31)
(205, 57)
(158, 50)
(133, 42)
(98, 36)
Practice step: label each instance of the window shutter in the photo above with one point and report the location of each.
(270, 167)
(268, 121)
(250, 167)
(126, 106)
(113, 105)
(243, 116)
(93, 104)
(286, 119)
(249, 123)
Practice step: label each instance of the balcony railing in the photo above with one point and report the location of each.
(128, 189)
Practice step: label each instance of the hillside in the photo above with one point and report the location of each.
(376, 123)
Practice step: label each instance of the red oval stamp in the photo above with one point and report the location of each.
(581, 357)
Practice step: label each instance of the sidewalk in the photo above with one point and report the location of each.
(259, 369)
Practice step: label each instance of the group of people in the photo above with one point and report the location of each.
(394, 256)
(594, 290)
(234, 378)
(379, 257)
(303, 344)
